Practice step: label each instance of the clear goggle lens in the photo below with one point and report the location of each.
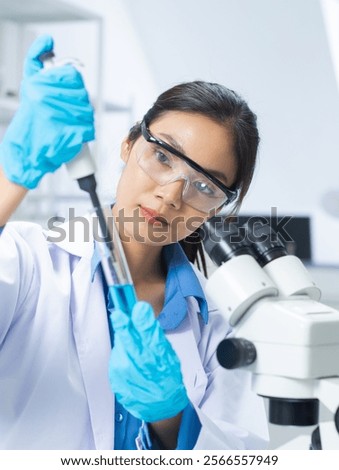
(164, 168)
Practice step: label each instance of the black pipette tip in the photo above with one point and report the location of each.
(89, 184)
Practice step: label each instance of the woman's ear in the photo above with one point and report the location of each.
(125, 149)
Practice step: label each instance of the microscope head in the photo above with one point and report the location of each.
(280, 332)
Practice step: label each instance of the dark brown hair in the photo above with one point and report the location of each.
(225, 107)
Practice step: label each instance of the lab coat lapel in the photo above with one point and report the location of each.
(92, 340)
(184, 343)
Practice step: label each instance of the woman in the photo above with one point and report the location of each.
(193, 153)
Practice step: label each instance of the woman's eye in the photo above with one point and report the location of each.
(162, 158)
(204, 188)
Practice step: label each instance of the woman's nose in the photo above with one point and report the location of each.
(171, 193)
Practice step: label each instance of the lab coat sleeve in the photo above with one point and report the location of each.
(16, 274)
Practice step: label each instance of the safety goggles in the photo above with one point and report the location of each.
(165, 164)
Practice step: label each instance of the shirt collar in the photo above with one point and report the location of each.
(181, 283)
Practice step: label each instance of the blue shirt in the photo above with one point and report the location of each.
(181, 282)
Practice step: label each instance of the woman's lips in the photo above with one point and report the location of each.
(152, 216)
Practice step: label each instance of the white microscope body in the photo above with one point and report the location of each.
(281, 332)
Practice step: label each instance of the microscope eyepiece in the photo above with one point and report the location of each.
(223, 240)
(264, 242)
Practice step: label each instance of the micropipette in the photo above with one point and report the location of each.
(113, 260)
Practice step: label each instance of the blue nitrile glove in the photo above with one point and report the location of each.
(54, 119)
(144, 370)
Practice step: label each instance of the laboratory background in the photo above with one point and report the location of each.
(282, 56)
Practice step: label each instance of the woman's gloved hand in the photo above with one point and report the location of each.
(54, 119)
(144, 370)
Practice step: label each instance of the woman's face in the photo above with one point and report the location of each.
(140, 200)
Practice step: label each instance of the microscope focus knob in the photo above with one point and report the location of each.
(236, 352)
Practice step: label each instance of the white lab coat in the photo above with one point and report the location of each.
(55, 348)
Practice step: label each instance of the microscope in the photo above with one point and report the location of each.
(282, 334)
